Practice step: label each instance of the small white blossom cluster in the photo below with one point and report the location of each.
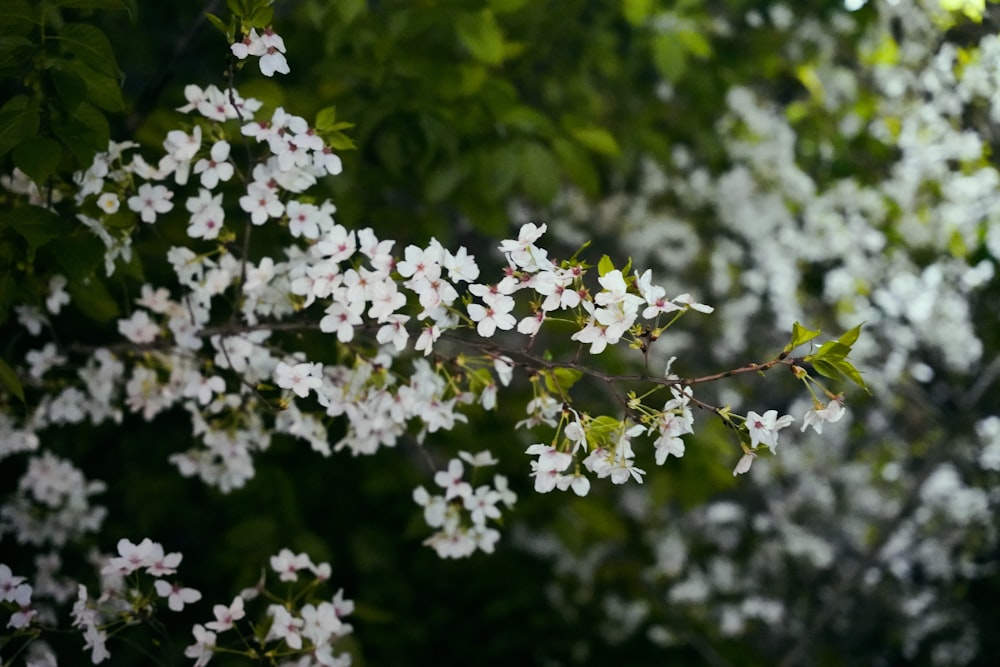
(125, 596)
(461, 514)
(352, 275)
(305, 633)
(269, 47)
(52, 505)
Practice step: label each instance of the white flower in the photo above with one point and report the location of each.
(285, 626)
(288, 564)
(666, 445)
(177, 596)
(685, 300)
(833, 411)
(270, 47)
(261, 202)
(108, 202)
(493, 316)
(151, 200)
(216, 168)
(451, 481)
(226, 617)
(479, 459)
(300, 378)
(764, 428)
(139, 328)
(204, 646)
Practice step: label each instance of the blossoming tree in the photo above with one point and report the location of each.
(243, 356)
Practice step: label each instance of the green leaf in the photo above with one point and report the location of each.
(479, 378)
(78, 255)
(326, 118)
(91, 296)
(560, 380)
(695, 43)
(69, 86)
(105, 92)
(37, 157)
(220, 25)
(852, 373)
(100, 89)
(830, 351)
(85, 133)
(539, 172)
(669, 56)
(16, 53)
(91, 46)
(18, 121)
(603, 431)
(238, 7)
(526, 119)
(826, 369)
(637, 11)
(594, 137)
(37, 225)
(800, 336)
(480, 33)
(605, 266)
(10, 381)
(261, 17)
(850, 337)
(339, 141)
(16, 11)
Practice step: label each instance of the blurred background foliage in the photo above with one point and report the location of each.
(466, 114)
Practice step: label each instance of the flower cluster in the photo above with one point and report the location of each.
(306, 632)
(53, 504)
(269, 47)
(461, 514)
(125, 598)
(218, 342)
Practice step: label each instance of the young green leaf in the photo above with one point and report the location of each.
(561, 380)
(800, 336)
(480, 33)
(851, 373)
(830, 351)
(220, 25)
(596, 139)
(851, 336)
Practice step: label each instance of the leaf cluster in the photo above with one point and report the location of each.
(60, 77)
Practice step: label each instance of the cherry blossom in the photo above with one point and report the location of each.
(764, 428)
(216, 168)
(832, 412)
(177, 595)
(150, 201)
